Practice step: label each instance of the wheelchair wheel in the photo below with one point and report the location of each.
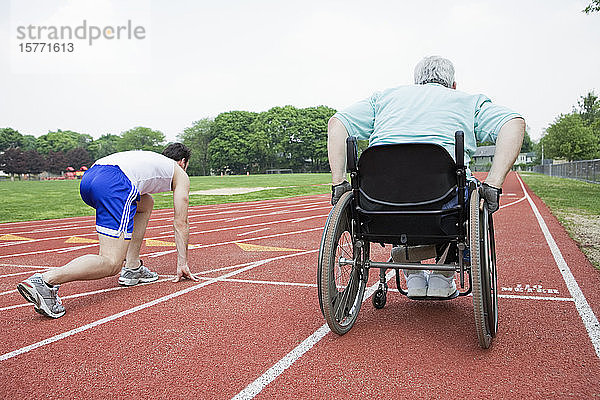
(379, 298)
(341, 287)
(483, 271)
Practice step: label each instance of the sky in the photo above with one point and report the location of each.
(196, 59)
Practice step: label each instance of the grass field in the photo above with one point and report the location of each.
(565, 194)
(576, 204)
(37, 200)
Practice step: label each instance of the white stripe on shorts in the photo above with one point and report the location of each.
(126, 210)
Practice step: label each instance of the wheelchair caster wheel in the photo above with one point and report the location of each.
(379, 299)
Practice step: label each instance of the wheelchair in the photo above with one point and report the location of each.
(400, 195)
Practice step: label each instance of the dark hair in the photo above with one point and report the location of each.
(177, 151)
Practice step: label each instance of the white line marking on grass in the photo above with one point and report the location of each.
(583, 308)
(290, 358)
(113, 317)
(248, 233)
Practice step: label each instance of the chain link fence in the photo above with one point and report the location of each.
(587, 170)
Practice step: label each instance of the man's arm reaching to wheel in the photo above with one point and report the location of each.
(508, 146)
(336, 150)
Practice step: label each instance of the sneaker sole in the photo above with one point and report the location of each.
(417, 292)
(128, 282)
(440, 294)
(31, 295)
(133, 282)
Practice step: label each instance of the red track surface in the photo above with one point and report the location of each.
(253, 328)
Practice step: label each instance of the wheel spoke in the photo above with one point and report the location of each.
(341, 305)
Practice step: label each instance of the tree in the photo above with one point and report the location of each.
(62, 141)
(34, 162)
(275, 127)
(56, 162)
(104, 146)
(78, 158)
(594, 6)
(589, 108)
(313, 135)
(197, 137)
(29, 142)
(13, 161)
(569, 137)
(234, 145)
(10, 138)
(142, 138)
(527, 145)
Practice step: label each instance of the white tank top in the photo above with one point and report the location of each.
(149, 172)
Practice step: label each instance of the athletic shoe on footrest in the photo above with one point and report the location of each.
(416, 281)
(131, 277)
(440, 286)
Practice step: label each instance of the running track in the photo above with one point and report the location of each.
(252, 327)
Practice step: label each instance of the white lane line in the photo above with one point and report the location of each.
(276, 283)
(306, 207)
(522, 297)
(514, 202)
(202, 246)
(113, 317)
(168, 277)
(23, 273)
(583, 308)
(112, 289)
(248, 233)
(74, 248)
(290, 358)
(170, 233)
(26, 266)
(517, 296)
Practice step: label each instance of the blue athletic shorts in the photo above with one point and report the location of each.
(107, 189)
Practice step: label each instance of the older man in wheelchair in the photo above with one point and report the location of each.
(412, 189)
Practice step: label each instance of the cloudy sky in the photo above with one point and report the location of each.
(199, 58)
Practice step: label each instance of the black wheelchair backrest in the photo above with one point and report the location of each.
(406, 174)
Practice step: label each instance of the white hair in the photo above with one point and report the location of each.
(434, 69)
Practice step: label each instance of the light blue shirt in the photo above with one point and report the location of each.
(428, 113)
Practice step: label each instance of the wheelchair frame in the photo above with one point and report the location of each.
(344, 256)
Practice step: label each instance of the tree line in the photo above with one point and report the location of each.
(57, 150)
(574, 136)
(240, 141)
(234, 142)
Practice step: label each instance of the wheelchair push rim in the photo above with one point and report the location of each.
(341, 285)
(483, 271)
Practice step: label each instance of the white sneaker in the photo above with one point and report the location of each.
(131, 277)
(440, 286)
(416, 283)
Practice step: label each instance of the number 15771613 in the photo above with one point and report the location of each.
(41, 47)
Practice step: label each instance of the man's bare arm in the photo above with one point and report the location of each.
(508, 146)
(336, 150)
(181, 192)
